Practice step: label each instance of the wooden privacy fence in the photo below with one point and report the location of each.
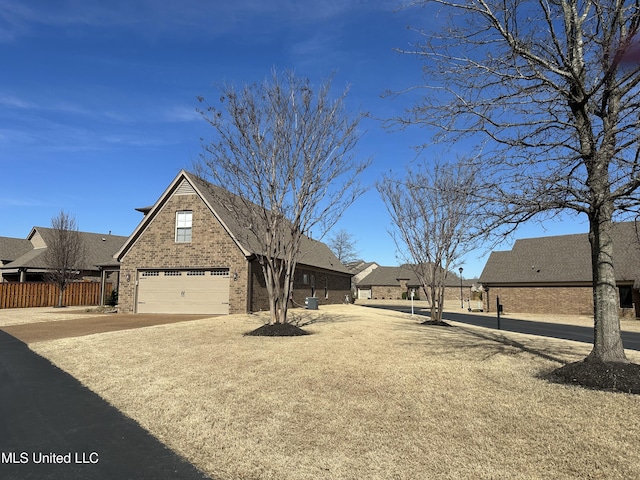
(41, 294)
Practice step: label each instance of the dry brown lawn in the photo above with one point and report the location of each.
(370, 395)
(22, 316)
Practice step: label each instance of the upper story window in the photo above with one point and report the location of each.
(183, 226)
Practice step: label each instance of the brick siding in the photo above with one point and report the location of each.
(211, 247)
(560, 300)
(338, 287)
(395, 293)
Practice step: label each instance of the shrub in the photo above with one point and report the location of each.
(113, 298)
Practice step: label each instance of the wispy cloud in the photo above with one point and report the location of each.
(18, 136)
(135, 141)
(12, 101)
(51, 136)
(181, 113)
(60, 106)
(320, 52)
(157, 16)
(133, 111)
(27, 201)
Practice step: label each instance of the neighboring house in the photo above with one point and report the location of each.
(388, 283)
(24, 260)
(12, 249)
(394, 283)
(553, 274)
(360, 269)
(190, 255)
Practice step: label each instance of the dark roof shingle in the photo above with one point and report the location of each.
(312, 252)
(389, 276)
(99, 250)
(561, 259)
(12, 248)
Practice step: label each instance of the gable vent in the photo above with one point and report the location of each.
(185, 188)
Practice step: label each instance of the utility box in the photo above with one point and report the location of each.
(311, 303)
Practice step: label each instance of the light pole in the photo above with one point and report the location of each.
(461, 299)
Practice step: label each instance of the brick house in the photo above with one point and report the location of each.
(553, 274)
(360, 269)
(394, 283)
(24, 260)
(190, 255)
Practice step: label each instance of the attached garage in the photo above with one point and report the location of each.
(202, 291)
(364, 293)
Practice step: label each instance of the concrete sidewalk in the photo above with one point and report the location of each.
(51, 427)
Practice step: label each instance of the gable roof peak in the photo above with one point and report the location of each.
(222, 204)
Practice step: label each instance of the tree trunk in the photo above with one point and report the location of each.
(607, 343)
(268, 278)
(441, 296)
(288, 294)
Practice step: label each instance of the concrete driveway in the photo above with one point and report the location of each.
(47, 325)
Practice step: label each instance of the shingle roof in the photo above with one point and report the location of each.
(12, 248)
(561, 259)
(99, 249)
(313, 253)
(358, 266)
(389, 276)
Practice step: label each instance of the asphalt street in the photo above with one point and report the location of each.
(631, 340)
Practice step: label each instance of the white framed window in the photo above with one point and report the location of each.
(183, 226)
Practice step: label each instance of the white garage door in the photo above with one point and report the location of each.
(364, 293)
(183, 291)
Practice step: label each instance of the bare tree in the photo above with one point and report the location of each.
(343, 245)
(288, 150)
(430, 209)
(551, 89)
(65, 252)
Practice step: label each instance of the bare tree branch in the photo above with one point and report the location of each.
(65, 252)
(343, 245)
(551, 89)
(431, 211)
(290, 151)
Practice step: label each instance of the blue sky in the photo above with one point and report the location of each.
(97, 99)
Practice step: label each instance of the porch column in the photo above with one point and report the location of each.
(103, 284)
